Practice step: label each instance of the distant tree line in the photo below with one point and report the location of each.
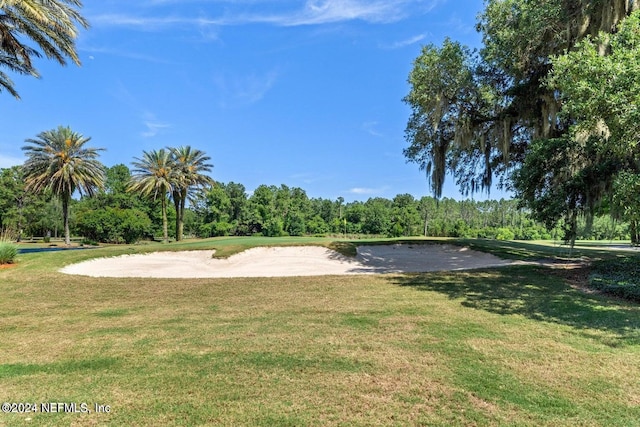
(116, 214)
(227, 209)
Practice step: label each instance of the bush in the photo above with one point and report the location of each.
(296, 224)
(317, 225)
(396, 230)
(216, 229)
(8, 253)
(273, 228)
(505, 234)
(113, 225)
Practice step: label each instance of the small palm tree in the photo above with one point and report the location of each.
(189, 167)
(50, 24)
(57, 160)
(153, 176)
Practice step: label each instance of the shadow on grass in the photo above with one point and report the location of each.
(508, 249)
(535, 293)
(527, 251)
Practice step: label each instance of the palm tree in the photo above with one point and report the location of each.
(57, 160)
(50, 24)
(189, 166)
(153, 175)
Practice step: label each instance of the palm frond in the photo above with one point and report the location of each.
(152, 174)
(52, 26)
(58, 160)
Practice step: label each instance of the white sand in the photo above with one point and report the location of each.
(288, 261)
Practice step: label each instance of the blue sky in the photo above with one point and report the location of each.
(302, 93)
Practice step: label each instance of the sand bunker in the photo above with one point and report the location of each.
(288, 261)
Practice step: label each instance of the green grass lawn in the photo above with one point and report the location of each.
(508, 346)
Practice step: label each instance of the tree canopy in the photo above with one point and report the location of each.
(541, 82)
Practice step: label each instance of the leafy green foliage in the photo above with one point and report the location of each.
(116, 215)
(114, 225)
(377, 216)
(273, 228)
(626, 202)
(11, 191)
(442, 89)
(274, 211)
(559, 179)
(599, 85)
(227, 210)
(27, 213)
(546, 87)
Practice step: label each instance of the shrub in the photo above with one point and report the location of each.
(296, 224)
(396, 230)
(273, 228)
(317, 225)
(215, 229)
(8, 253)
(505, 234)
(113, 225)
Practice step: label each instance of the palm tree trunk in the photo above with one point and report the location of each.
(176, 202)
(183, 200)
(65, 216)
(426, 225)
(165, 225)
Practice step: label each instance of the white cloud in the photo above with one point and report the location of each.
(141, 22)
(244, 90)
(153, 129)
(370, 128)
(368, 191)
(331, 11)
(153, 126)
(408, 42)
(313, 12)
